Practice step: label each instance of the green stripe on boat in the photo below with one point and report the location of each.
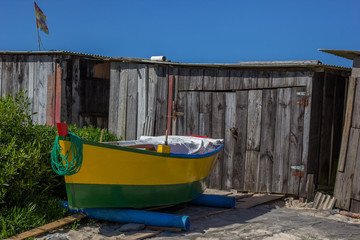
(136, 196)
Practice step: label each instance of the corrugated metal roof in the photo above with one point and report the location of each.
(255, 64)
(55, 52)
(349, 54)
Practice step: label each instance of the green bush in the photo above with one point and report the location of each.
(27, 181)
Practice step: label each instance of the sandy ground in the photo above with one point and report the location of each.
(280, 220)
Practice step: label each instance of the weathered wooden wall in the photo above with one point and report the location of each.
(347, 187)
(32, 73)
(60, 87)
(257, 114)
(255, 110)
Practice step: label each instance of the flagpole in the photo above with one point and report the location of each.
(37, 29)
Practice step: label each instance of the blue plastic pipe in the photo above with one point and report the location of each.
(135, 216)
(214, 201)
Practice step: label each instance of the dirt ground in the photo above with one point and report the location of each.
(284, 219)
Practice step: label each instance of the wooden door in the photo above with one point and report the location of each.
(262, 130)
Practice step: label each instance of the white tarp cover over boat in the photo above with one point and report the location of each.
(179, 144)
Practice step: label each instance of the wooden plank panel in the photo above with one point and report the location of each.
(236, 79)
(278, 79)
(114, 96)
(192, 111)
(253, 140)
(282, 141)
(151, 111)
(209, 79)
(184, 79)
(223, 79)
(7, 70)
(296, 139)
(196, 79)
(290, 79)
(312, 146)
(229, 140)
(161, 100)
(122, 105)
(132, 104)
(205, 114)
(264, 79)
(250, 79)
(180, 109)
(251, 170)
(268, 119)
(347, 123)
(304, 78)
(356, 110)
(36, 86)
(306, 139)
(24, 72)
(30, 87)
(142, 97)
(254, 120)
(175, 73)
(218, 130)
(50, 100)
(240, 133)
(344, 181)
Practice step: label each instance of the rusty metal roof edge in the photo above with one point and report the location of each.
(254, 64)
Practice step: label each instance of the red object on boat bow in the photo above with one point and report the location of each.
(62, 129)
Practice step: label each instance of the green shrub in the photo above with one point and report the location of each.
(27, 181)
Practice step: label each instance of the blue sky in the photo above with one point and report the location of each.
(188, 31)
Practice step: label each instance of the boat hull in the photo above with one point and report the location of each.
(115, 176)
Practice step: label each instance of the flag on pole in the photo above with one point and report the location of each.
(40, 19)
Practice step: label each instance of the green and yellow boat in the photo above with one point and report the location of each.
(112, 175)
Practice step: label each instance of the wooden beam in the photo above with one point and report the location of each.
(258, 200)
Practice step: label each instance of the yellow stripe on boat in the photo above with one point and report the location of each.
(104, 164)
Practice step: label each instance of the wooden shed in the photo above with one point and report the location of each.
(281, 121)
(62, 86)
(347, 187)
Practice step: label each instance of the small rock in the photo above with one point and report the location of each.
(131, 227)
(56, 236)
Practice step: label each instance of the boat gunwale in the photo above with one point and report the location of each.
(147, 152)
